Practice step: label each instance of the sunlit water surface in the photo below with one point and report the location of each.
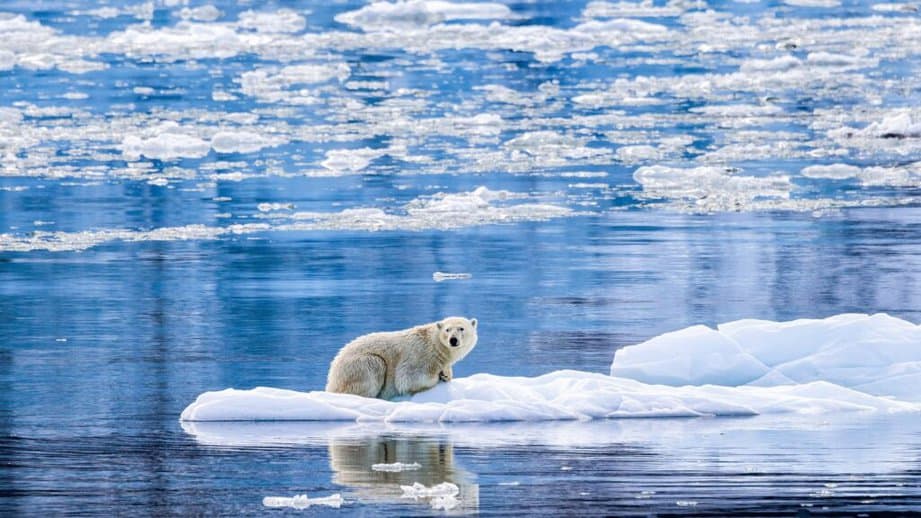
(195, 198)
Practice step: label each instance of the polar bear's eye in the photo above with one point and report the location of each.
(461, 329)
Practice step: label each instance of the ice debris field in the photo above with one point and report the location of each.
(802, 106)
(844, 363)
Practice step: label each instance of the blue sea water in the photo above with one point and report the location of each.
(637, 177)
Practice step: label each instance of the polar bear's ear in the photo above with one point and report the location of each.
(473, 322)
(440, 325)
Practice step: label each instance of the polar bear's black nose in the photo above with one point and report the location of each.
(453, 341)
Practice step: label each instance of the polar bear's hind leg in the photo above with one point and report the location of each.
(362, 375)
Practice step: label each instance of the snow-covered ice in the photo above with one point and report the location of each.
(877, 355)
(844, 363)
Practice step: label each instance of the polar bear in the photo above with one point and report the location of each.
(401, 363)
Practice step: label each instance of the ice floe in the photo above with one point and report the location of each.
(877, 355)
(442, 211)
(849, 362)
(442, 496)
(392, 16)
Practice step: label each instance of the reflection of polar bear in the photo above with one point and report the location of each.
(352, 458)
(400, 363)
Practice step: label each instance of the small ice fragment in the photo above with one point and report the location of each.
(60, 339)
(512, 483)
(442, 276)
(685, 503)
(445, 503)
(565, 468)
(269, 207)
(418, 490)
(396, 466)
(302, 501)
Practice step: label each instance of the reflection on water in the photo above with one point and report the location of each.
(782, 465)
(351, 461)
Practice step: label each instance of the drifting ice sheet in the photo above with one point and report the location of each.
(877, 355)
(749, 367)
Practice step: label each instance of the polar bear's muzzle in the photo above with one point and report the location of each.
(453, 341)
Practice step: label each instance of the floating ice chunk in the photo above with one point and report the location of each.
(303, 502)
(7, 60)
(386, 16)
(813, 3)
(878, 354)
(240, 141)
(895, 8)
(828, 59)
(418, 490)
(644, 9)
(899, 125)
(270, 207)
(184, 40)
(738, 110)
(351, 160)
(281, 21)
(168, 145)
(710, 188)
(570, 395)
(441, 497)
(900, 176)
(441, 276)
(444, 503)
(707, 357)
(272, 84)
(396, 466)
(831, 171)
(204, 13)
(776, 64)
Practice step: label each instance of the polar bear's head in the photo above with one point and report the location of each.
(457, 334)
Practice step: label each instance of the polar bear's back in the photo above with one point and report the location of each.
(370, 364)
(391, 346)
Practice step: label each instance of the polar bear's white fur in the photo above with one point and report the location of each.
(401, 363)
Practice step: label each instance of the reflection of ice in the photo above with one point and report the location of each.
(442, 276)
(396, 466)
(356, 446)
(303, 501)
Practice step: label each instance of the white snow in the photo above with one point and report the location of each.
(303, 501)
(396, 467)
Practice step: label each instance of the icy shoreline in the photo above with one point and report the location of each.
(844, 363)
